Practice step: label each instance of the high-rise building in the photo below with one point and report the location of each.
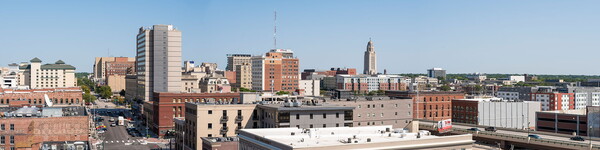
(276, 71)
(436, 72)
(36, 76)
(243, 75)
(370, 59)
(158, 60)
(237, 59)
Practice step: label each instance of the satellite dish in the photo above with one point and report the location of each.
(48, 101)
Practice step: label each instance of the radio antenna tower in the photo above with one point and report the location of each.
(275, 30)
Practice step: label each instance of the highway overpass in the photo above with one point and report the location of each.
(516, 139)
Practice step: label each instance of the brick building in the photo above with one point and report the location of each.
(29, 127)
(277, 71)
(35, 97)
(329, 73)
(555, 100)
(167, 106)
(493, 111)
(430, 105)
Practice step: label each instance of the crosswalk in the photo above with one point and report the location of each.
(125, 141)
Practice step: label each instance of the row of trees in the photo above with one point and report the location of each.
(88, 86)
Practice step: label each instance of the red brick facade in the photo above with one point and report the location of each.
(553, 100)
(469, 112)
(35, 97)
(29, 133)
(167, 106)
(430, 105)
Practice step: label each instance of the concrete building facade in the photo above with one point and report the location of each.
(296, 114)
(495, 112)
(36, 76)
(237, 59)
(158, 60)
(370, 61)
(243, 75)
(436, 73)
(213, 120)
(375, 111)
(310, 87)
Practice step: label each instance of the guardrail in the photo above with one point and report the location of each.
(524, 138)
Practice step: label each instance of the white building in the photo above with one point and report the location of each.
(516, 79)
(310, 87)
(36, 76)
(496, 112)
(343, 138)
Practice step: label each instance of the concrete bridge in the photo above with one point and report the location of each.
(515, 139)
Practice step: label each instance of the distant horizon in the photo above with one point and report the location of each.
(529, 37)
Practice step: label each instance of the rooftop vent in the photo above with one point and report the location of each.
(368, 139)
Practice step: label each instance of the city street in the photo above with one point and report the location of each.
(118, 136)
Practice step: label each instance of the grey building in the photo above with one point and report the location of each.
(436, 72)
(307, 115)
(158, 60)
(380, 110)
(516, 93)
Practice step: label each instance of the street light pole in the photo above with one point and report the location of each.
(183, 145)
(590, 136)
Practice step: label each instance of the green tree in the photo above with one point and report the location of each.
(246, 90)
(105, 92)
(445, 88)
(88, 98)
(282, 92)
(122, 93)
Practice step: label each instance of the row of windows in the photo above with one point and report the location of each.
(3, 140)
(3, 127)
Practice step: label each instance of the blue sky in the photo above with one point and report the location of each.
(539, 37)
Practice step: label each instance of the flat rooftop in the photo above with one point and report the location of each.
(339, 136)
(571, 112)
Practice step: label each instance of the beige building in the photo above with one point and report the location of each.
(36, 76)
(215, 85)
(212, 120)
(111, 71)
(310, 87)
(237, 59)
(243, 75)
(377, 111)
(370, 59)
(344, 138)
(158, 60)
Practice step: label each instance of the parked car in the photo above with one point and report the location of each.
(492, 129)
(577, 138)
(535, 136)
(113, 125)
(111, 119)
(474, 129)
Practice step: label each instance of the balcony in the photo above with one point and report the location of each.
(224, 119)
(239, 119)
(224, 130)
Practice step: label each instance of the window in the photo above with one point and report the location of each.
(239, 112)
(324, 115)
(324, 126)
(2, 140)
(311, 117)
(337, 115)
(311, 126)
(12, 127)
(209, 111)
(297, 116)
(337, 125)
(209, 135)
(2, 127)
(12, 140)
(209, 125)
(381, 105)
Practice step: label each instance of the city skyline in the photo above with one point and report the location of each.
(461, 37)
